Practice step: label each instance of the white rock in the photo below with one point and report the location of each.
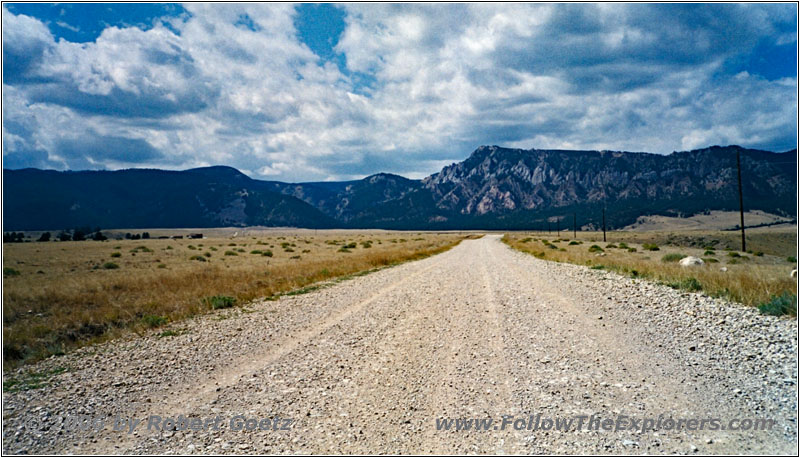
(691, 261)
(793, 274)
(723, 269)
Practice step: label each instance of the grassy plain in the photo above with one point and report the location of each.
(756, 277)
(60, 295)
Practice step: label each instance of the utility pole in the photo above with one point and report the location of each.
(574, 226)
(558, 226)
(604, 223)
(741, 204)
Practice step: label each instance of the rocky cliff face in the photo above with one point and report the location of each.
(495, 180)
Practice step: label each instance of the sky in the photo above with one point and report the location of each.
(308, 92)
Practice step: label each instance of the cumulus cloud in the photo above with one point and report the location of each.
(421, 86)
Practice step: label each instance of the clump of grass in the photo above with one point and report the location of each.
(611, 245)
(255, 252)
(672, 257)
(650, 247)
(220, 302)
(154, 321)
(266, 253)
(110, 265)
(709, 253)
(198, 258)
(791, 259)
(162, 266)
(31, 380)
(778, 305)
(631, 250)
(623, 245)
(116, 254)
(734, 254)
(710, 260)
(10, 272)
(574, 242)
(595, 249)
(525, 240)
(344, 250)
(231, 253)
(687, 284)
(170, 333)
(598, 267)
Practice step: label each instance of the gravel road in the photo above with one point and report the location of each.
(369, 364)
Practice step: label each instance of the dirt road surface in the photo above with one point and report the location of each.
(369, 364)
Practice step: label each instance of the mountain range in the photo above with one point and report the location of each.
(494, 188)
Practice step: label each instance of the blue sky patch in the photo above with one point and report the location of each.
(83, 22)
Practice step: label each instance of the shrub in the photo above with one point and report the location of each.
(154, 321)
(710, 260)
(709, 253)
(598, 267)
(231, 253)
(267, 253)
(344, 250)
(688, 284)
(574, 242)
(255, 252)
(785, 304)
(110, 265)
(116, 254)
(734, 254)
(623, 245)
(631, 250)
(758, 253)
(791, 259)
(197, 258)
(10, 272)
(220, 302)
(525, 240)
(162, 266)
(672, 257)
(207, 254)
(595, 249)
(650, 247)
(611, 245)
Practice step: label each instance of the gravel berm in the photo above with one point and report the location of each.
(369, 364)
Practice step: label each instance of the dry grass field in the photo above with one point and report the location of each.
(758, 278)
(59, 295)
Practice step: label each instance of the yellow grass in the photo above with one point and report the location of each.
(750, 279)
(63, 297)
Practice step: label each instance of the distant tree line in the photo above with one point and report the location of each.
(67, 235)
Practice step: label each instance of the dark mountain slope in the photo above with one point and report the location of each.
(217, 196)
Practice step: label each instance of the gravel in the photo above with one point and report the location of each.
(368, 365)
